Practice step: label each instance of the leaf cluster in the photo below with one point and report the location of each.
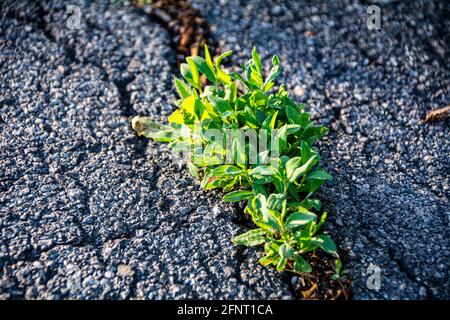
(278, 190)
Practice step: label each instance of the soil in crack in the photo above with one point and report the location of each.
(188, 30)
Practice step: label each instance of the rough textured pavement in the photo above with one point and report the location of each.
(87, 210)
(389, 201)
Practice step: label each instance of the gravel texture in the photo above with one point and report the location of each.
(87, 210)
(389, 201)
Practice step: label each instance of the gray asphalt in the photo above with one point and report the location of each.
(389, 202)
(87, 210)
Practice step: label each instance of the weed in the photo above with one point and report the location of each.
(276, 170)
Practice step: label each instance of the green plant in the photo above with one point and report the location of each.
(278, 188)
(338, 272)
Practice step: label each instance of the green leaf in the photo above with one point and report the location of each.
(325, 243)
(304, 119)
(306, 152)
(203, 67)
(338, 265)
(250, 238)
(232, 88)
(335, 277)
(220, 104)
(182, 88)
(320, 175)
(322, 220)
(281, 264)
(250, 118)
(258, 99)
(236, 196)
(239, 151)
(264, 171)
(293, 192)
(275, 201)
(193, 170)
(198, 109)
(256, 60)
(292, 128)
(223, 77)
(312, 203)
(293, 115)
(187, 74)
(301, 265)
(282, 136)
(223, 56)
(292, 164)
(208, 58)
(274, 73)
(269, 216)
(314, 131)
(306, 233)
(259, 189)
(194, 72)
(226, 171)
(286, 251)
(267, 260)
(269, 122)
(300, 218)
(303, 169)
(312, 186)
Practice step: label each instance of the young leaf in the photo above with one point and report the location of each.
(286, 251)
(256, 60)
(267, 260)
(320, 175)
(303, 169)
(269, 216)
(187, 74)
(301, 265)
(223, 56)
(250, 118)
(204, 68)
(297, 219)
(183, 89)
(194, 72)
(250, 238)
(274, 73)
(236, 196)
(293, 115)
(292, 164)
(281, 264)
(193, 170)
(226, 171)
(208, 58)
(263, 171)
(269, 122)
(325, 243)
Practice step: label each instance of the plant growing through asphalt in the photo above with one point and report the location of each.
(216, 111)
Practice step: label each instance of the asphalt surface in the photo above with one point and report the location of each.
(87, 210)
(389, 201)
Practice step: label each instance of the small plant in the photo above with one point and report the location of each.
(338, 272)
(216, 112)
